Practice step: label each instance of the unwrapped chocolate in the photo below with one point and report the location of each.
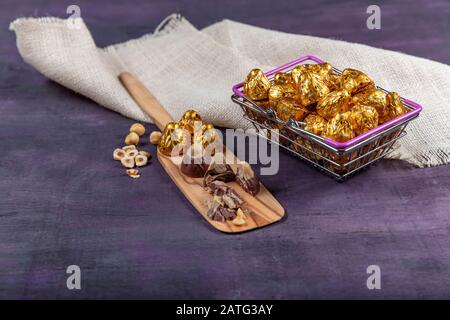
(194, 163)
(218, 170)
(225, 201)
(246, 178)
(217, 211)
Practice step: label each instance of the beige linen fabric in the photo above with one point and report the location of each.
(189, 68)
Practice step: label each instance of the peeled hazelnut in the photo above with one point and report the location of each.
(137, 128)
(140, 160)
(240, 218)
(240, 213)
(238, 221)
(132, 138)
(132, 153)
(128, 148)
(127, 162)
(146, 153)
(118, 154)
(133, 173)
(155, 136)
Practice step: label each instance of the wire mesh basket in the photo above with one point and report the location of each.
(338, 159)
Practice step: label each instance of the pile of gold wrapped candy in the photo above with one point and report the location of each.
(338, 107)
(190, 130)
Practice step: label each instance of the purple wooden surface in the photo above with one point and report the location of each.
(63, 201)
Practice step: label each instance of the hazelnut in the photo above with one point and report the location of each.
(155, 136)
(238, 221)
(140, 160)
(240, 213)
(128, 148)
(132, 153)
(127, 162)
(133, 173)
(240, 218)
(132, 138)
(146, 153)
(137, 128)
(118, 154)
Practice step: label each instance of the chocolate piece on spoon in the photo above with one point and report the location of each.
(217, 212)
(247, 179)
(218, 170)
(194, 164)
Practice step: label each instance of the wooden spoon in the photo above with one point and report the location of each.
(264, 208)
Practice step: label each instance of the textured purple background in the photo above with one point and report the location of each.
(63, 201)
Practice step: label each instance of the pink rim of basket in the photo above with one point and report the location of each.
(341, 145)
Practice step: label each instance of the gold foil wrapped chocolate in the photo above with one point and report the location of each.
(375, 98)
(315, 124)
(173, 137)
(395, 107)
(256, 85)
(276, 93)
(263, 104)
(333, 82)
(285, 80)
(287, 84)
(190, 120)
(288, 108)
(208, 135)
(281, 78)
(300, 145)
(337, 107)
(334, 103)
(296, 73)
(311, 88)
(355, 81)
(188, 131)
(323, 70)
(363, 118)
(199, 131)
(339, 128)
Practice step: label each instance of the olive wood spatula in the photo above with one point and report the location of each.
(263, 208)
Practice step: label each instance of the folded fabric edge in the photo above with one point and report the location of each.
(41, 20)
(167, 26)
(430, 158)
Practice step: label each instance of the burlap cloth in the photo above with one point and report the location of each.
(189, 68)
